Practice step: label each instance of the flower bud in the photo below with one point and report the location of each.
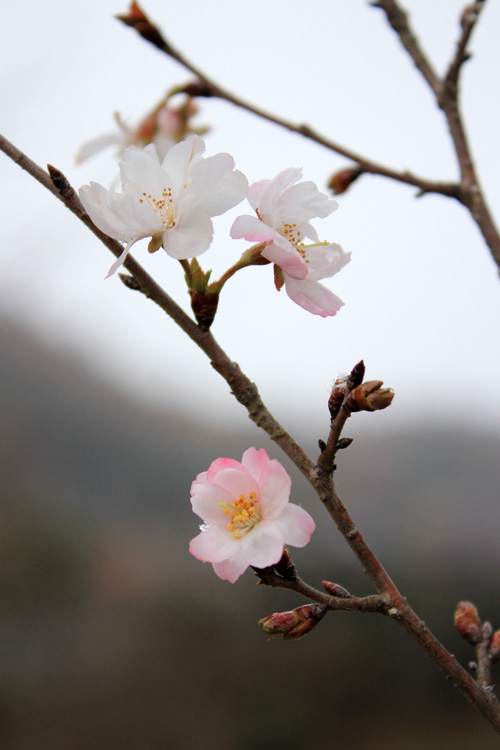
(286, 567)
(495, 646)
(341, 181)
(204, 305)
(294, 623)
(334, 589)
(337, 395)
(467, 622)
(369, 396)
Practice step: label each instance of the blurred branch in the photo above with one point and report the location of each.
(207, 87)
(446, 93)
(320, 477)
(467, 192)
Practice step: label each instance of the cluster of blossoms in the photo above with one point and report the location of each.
(247, 514)
(171, 200)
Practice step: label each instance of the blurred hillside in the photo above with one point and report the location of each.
(112, 636)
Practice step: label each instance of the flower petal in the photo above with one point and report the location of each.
(190, 237)
(263, 546)
(217, 186)
(206, 500)
(284, 254)
(312, 296)
(231, 569)
(296, 525)
(252, 229)
(213, 544)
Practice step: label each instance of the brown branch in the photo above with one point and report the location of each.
(447, 97)
(247, 394)
(468, 21)
(207, 87)
(468, 192)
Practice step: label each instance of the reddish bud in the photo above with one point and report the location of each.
(357, 374)
(334, 589)
(495, 646)
(295, 623)
(286, 567)
(467, 622)
(337, 395)
(370, 396)
(204, 306)
(341, 181)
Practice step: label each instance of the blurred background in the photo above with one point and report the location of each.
(111, 636)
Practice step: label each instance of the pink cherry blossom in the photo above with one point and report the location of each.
(284, 207)
(171, 201)
(246, 513)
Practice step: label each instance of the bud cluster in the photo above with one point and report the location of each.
(295, 623)
(470, 627)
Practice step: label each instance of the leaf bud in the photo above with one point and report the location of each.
(334, 589)
(286, 567)
(295, 623)
(204, 306)
(369, 396)
(337, 395)
(467, 622)
(341, 181)
(495, 646)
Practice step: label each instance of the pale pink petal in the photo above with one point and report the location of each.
(257, 463)
(296, 525)
(252, 229)
(236, 483)
(230, 570)
(205, 501)
(263, 546)
(218, 465)
(213, 545)
(270, 201)
(313, 297)
(326, 261)
(256, 191)
(304, 201)
(284, 254)
(275, 491)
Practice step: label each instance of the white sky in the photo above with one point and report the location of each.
(422, 293)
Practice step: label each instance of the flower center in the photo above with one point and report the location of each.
(244, 513)
(164, 206)
(290, 232)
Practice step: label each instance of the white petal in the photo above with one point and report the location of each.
(190, 237)
(263, 546)
(325, 261)
(216, 185)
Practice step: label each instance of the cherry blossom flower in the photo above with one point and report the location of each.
(246, 513)
(164, 126)
(284, 207)
(171, 201)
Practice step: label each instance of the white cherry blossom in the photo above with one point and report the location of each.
(172, 202)
(284, 207)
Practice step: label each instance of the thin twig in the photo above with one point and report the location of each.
(205, 86)
(447, 98)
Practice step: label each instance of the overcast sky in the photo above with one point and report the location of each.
(422, 295)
